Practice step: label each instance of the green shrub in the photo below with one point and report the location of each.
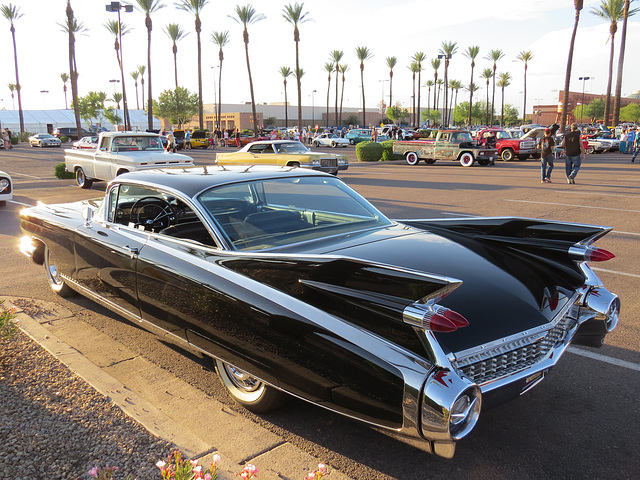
(387, 153)
(64, 139)
(369, 151)
(62, 173)
(21, 137)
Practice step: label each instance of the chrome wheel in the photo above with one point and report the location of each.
(466, 159)
(412, 158)
(247, 390)
(53, 276)
(82, 180)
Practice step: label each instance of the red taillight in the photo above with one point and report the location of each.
(595, 254)
(437, 319)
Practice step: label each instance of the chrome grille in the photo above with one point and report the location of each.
(329, 162)
(527, 144)
(508, 360)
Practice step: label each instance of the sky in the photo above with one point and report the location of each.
(397, 28)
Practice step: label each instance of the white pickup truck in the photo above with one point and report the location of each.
(120, 152)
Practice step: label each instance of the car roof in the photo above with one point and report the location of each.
(193, 180)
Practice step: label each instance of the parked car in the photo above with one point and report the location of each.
(6, 188)
(44, 140)
(199, 139)
(284, 152)
(295, 284)
(70, 132)
(608, 138)
(357, 135)
(86, 142)
(330, 140)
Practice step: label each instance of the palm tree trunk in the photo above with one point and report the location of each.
(220, 96)
(341, 99)
(390, 88)
(364, 109)
(623, 42)
(175, 64)
(299, 83)
(607, 105)
(200, 105)
(502, 110)
(565, 102)
(253, 101)
(471, 94)
(286, 107)
(337, 85)
(413, 102)
(524, 107)
(417, 122)
(149, 93)
(72, 67)
(487, 112)
(15, 58)
(445, 115)
(493, 95)
(328, 90)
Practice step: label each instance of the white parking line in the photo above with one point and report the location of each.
(571, 205)
(30, 176)
(603, 358)
(635, 275)
(20, 203)
(596, 193)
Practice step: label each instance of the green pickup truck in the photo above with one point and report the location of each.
(448, 145)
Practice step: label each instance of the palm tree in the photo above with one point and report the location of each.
(118, 29)
(525, 56)
(117, 98)
(487, 74)
(435, 63)
(414, 69)
(623, 41)
(448, 49)
(12, 88)
(578, 4)
(391, 63)
(328, 67)
(220, 39)
(12, 13)
(285, 72)
(471, 88)
(363, 53)
(176, 33)
(613, 11)
(293, 14)
(494, 56)
(439, 84)
(429, 84)
(135, 74)
(195, 7)
(419, 57)
(142, 69)
(343, 69)
(247, 15)
(65, 78)
(148, 7)
(71, 27)
(335, 57)
(455, 85)
(471, 53)
(505, 81)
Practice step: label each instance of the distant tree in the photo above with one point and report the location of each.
(117, 98)
(623, 42)
(177, 105)
(471, 53)
(461, 113)
(487, 74)
(328, 67)
(285, 72)
(525, 56)
(352, 119)
(363, 53)
(270, 120)
(432, 115)
(419, 57)
(220, 39)
(429, 84)
(577, 4)
(135, 74)
(511, 116)
(142, 69)
(65, 78)
(73, 27)
(295, 15)
(595, 109)
(118, 29)
(494, 56)
(91, 105)
(12, 88)
(448, 49)
(435, 63)
(630, 113)
(175, 33)
(391, 63)
(505, 81)
(413, 66)
(336, 56)
(12, 13)
(343, 69)
(397, 114)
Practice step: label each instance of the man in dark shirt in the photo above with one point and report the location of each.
(574, 149)
(546, 156)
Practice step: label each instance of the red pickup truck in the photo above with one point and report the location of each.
(509, 147)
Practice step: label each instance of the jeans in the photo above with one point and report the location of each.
(572, 165)
(635, 154)
(546, 166)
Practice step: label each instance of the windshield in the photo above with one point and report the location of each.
(291, 147)
(133, 143)
(275, 213)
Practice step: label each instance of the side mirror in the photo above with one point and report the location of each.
(87, 215)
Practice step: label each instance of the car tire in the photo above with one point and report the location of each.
(590, 149)
(412, 158)
(430, 161)
(352, 141)
(483, 162)
(316, 144)
(82, 180)
(467, 159)
(507, 155)
(334, 144)
(56, 283)
(522, 158)
(250, 392)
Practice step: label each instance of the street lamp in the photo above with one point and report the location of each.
(382, 101)
(45, 97)
(114, 81)
(116, 7)
(313, 108)
(584, 79)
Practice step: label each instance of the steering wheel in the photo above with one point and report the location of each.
(152, 213)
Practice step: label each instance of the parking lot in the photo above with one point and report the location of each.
(581, 422)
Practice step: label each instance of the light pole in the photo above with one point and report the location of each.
(114, 81)
(584, 79)
(45, 97)
(116, 7)
(313, 108)
(215, 97)
(382, 101)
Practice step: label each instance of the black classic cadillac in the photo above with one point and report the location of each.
(295, 284)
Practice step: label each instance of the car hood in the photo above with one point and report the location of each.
(503, 292)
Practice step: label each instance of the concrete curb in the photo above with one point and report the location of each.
(166, 406)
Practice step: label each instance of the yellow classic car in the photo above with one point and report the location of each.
(284, 153)
(199, 139)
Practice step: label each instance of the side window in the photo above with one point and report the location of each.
(104, 143)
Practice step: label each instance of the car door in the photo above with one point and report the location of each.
(106, 257)
(102, 160)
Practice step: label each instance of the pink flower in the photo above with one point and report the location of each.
(322, 468)
(93, 472)
(216, 459)
(207, 476)
(161, 464)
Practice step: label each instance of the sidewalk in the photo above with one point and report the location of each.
(166, 406)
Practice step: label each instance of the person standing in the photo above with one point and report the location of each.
(636, 145)
(7, 139)
(622, 148)
(574, 149)
(171, 142)
(546, 143)
(187, 140)
(631, 137)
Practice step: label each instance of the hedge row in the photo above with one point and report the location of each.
(374, 152)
